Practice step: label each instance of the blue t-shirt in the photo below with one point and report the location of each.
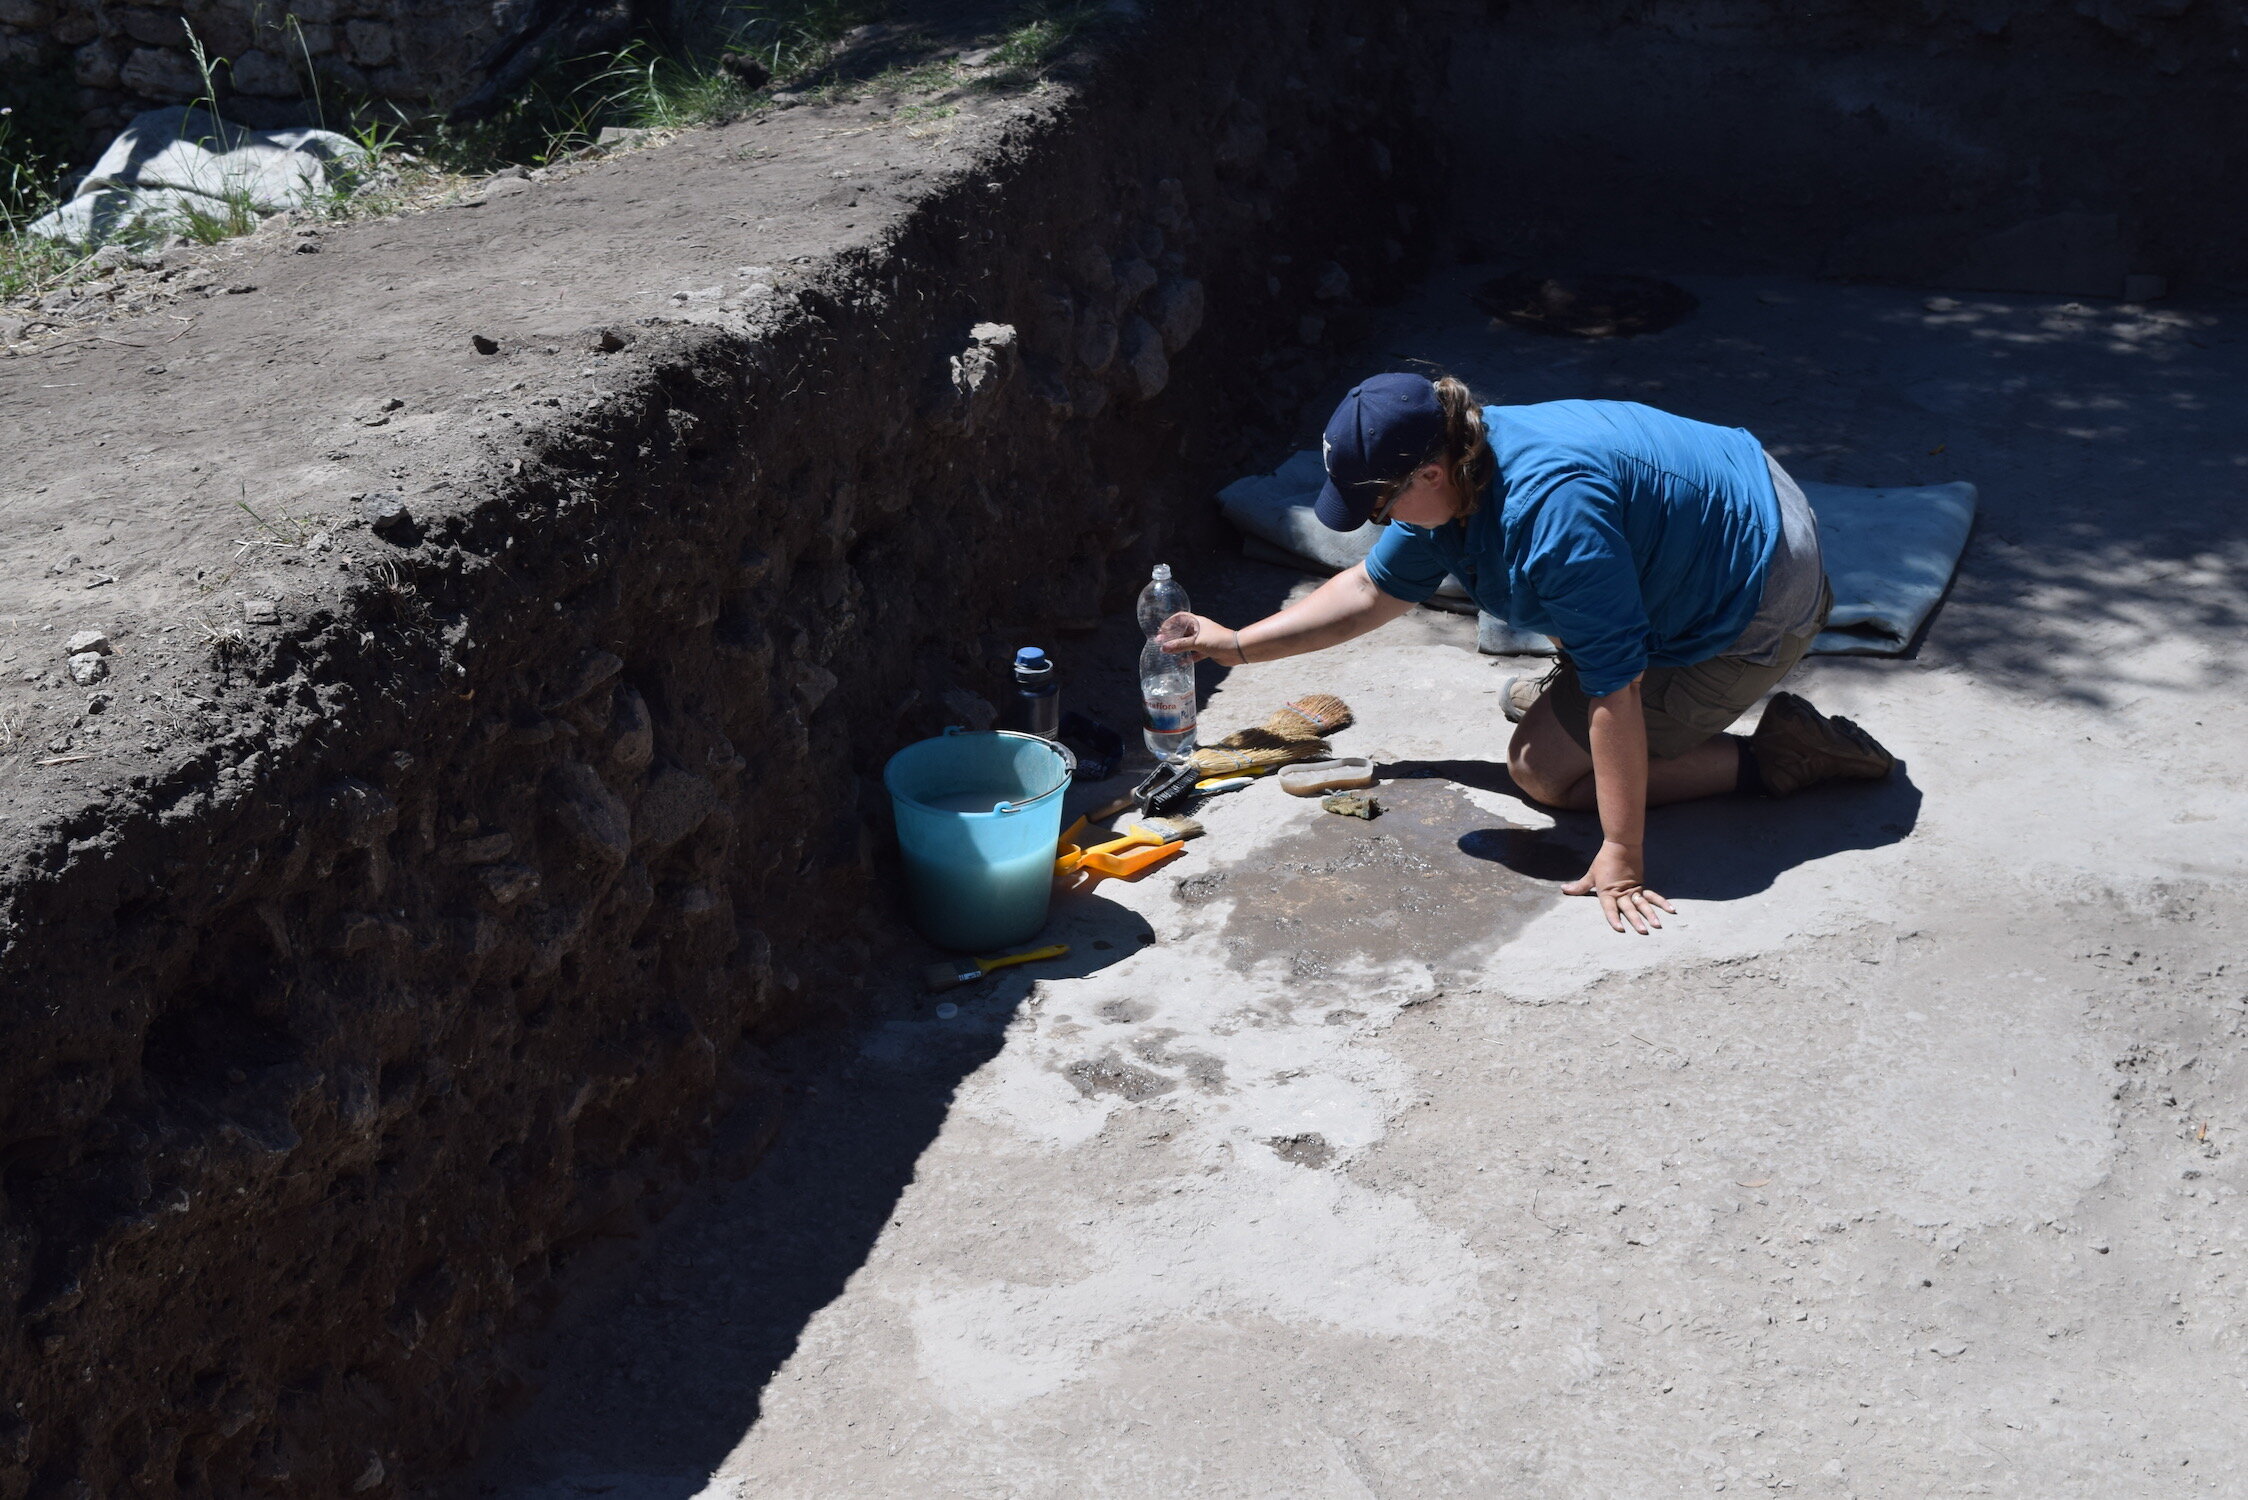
(1631, 536)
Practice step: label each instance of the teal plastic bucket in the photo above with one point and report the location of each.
(979, 815)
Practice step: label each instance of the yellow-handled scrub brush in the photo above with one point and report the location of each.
(1251, 750)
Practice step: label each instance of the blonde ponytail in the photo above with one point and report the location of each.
(1467, 448)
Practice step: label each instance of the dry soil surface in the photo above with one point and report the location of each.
(199, 477)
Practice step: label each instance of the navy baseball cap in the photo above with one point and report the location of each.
(1383, 430)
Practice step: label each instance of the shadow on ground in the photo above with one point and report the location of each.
(664, 1368)
(1719, 849)
(2110, 540)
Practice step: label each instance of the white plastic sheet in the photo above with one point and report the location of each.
(171, 165)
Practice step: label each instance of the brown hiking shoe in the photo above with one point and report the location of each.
(1797, 746)
(1518, 695)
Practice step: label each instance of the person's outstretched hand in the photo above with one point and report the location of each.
(1616, 878)
(1199, 638)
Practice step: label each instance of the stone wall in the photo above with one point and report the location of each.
(126, 57)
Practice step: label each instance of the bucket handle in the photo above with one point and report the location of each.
(1069, 768)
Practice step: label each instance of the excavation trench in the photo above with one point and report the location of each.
(438, 918)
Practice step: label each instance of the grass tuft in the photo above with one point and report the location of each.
(1044, 33)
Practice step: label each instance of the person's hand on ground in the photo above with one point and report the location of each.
(1615, 877)
(1198, 638)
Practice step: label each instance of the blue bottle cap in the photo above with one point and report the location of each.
(1029, 656)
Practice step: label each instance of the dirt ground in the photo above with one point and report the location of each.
(1353, 1160)
(207, 487)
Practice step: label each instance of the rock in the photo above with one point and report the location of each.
(1176, 311)
(484, 849)
(674, 805)
(591, 814)
(88, 668)
(813, 684)
(591, 673)
(695, 901)
(265, 75)
(12, 330)
(509, 883)
(635, 744)
(1134, 279)
(260, 612)
(1090, 264)
(620, 137)
(169, 164)
(504, 185)
(606, 341)
(745, 70)
(1351, 805)
(974, 376)
(387, 515)
(1143, 356)
(86, 640)
(975, 712)
(484, 345)
(361, 814)
(1096, 345)
(376, 412)
(983, 363)
(1170, 207)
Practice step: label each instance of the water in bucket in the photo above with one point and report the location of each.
(978, 817)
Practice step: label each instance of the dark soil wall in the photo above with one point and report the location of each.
(316, 1081)
(2031, 146)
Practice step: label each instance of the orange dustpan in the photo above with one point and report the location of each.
(1093, 866)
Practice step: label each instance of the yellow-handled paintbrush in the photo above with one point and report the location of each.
(955, 972)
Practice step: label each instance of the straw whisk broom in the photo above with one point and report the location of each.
(1314, 716)
(1294, 732)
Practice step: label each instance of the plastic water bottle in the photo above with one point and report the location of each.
(1036, 707)
(1167, 688)
(1161, 599)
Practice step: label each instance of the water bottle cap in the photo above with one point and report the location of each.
(1162, 572)
(1030, 656)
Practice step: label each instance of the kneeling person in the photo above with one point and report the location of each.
(1674, 563)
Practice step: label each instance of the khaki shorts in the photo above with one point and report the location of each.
(1684, 705)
